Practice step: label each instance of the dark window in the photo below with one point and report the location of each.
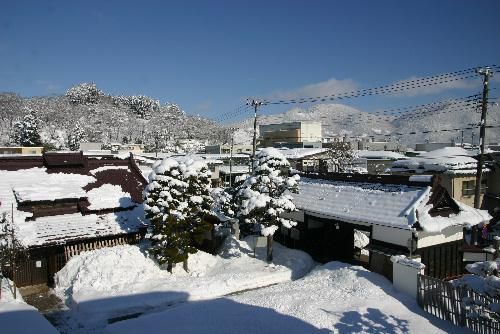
(468, 187)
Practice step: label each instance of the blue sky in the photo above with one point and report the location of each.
(208, 56)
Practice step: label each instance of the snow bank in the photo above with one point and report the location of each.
(17, 317)
(361, 240)
(335, 297)
(117, 281)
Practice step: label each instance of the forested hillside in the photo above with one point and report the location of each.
(85, 113)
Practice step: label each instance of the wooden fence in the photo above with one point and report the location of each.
(76, 249)
(445, 301)
(40, 266)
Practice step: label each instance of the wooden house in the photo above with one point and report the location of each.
(399, 215)
(65, 203)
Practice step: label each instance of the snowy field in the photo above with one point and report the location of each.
(335, 297)
(17, 317)
(122, 281)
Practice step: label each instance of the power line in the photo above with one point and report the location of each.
(387, 89)
(394, 88)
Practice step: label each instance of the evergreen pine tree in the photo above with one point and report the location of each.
(177, 201)
(75, 137)
(265, 195)
(26, 131)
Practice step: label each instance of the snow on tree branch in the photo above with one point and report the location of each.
(178, 202)
(84, 93)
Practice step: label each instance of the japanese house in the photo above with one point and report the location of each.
(65, 203)
(399, 215)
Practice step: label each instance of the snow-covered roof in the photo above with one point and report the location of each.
(35, 184)
(378, 204)
(236, 169)
(300, 153)
(63, 228)
(389, 155)
(225, 156)
(108, 196)
(100, 188)
(455, 160)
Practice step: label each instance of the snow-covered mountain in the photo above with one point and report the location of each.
(409, 128)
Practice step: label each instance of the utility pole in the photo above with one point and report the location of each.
(486, 73)
(231, 160)
(255, 104)
(462, 140)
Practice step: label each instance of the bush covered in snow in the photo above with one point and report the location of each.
(177, 202)
(84, 93)
(485, 280)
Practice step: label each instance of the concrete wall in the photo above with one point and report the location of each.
(310, 132)
(432, 146)
(90, 146)
(404, 276)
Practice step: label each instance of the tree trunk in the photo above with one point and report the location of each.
(269, 248)
(185, 265)
(14, 278)
(169, 267)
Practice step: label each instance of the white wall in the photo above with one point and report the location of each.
(404, 277)
(310, 131)
(391, 235)
(449, 234)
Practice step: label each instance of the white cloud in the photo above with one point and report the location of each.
(433, 87)
(328, 87)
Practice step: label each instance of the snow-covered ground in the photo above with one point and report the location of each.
(120, 281)
(17, 317)
(335, 297)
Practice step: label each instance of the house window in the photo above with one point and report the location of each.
(468, 187)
